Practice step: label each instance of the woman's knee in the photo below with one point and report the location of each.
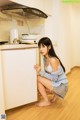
(39, 78)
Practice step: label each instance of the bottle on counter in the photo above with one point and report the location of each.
(13, 35)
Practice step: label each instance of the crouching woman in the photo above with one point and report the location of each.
(53, 76)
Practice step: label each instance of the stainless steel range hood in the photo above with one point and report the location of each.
(21, 9)
(5, 2)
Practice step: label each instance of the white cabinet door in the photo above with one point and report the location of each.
(20, 84)
(2, 107)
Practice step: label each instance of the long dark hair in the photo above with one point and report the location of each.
(47, 42)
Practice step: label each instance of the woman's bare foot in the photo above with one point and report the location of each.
(44, 103)
(53, 99)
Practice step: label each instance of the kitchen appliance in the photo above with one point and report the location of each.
(29, 38)
(5, 2)
(22, 10)
(28, 41)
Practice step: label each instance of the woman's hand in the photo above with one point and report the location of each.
(37, 68)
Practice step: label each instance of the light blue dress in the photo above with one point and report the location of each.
(58, 78)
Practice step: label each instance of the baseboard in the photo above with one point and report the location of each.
(75, 67)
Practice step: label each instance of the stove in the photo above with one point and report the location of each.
(29, 41)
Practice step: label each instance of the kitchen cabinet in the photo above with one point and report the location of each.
(2, 107)
(20, 83)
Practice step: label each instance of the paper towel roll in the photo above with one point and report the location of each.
(13, 35)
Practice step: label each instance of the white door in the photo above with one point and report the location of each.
(20, 84)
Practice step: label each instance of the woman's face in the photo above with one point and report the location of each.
(43, 49)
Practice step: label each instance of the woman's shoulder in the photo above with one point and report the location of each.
(54, 63)
(54, 60)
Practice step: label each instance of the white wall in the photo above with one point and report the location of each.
(64, 29)
(70, 17)
(24, 25)
(65, 41)
(75, 25)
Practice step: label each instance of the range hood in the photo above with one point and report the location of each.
(21, 9)
(5, 2)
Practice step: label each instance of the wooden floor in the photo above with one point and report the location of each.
(67, 109)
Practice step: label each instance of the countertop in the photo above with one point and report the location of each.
(17, 46)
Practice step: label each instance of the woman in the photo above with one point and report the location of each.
(53, 76)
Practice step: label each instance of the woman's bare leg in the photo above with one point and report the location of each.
(54, 98)
(44, 83)
(42, 91)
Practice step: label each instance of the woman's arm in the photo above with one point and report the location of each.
(52, 76)
(55, 72)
